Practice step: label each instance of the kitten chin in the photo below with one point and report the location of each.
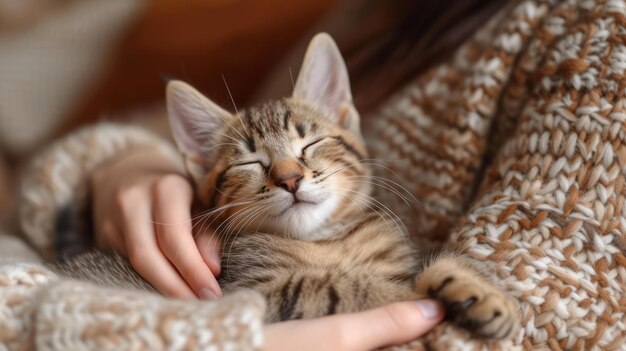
(302, 221)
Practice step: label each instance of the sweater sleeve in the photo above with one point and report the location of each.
(57, 182)
(40, 311)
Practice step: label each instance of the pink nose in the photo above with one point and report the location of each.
(290, 182)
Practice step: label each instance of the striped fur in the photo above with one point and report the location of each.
(351, 260)
(287, 187)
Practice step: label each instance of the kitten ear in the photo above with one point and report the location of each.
(323, 81)
(195, 122)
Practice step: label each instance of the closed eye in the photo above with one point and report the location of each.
(312, 143)
(249, 163)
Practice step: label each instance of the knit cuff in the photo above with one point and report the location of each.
(20, 287)
(57, 181)
(78, 316)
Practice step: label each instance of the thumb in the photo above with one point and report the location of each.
(392, 324)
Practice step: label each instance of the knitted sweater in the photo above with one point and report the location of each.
(515, 147)
(518, 144)
(40, 310)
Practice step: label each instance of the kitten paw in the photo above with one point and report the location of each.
(475, 305)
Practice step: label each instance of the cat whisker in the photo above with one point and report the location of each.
(378, 204)
(237, 202)
(375, 160)
(233, 221)
(220, 144)
(365, 202)
(221, 210)
(405, 190)
(238, 226)
(233, 218)
(334, 172)
(253, 216)
(256, 201)
(263, 220)
(237, 141)
(392, 190)
(293, 84)
(235, 106)
(203, 224)
(382, 184)
(224, 207)
(195, 218)
(231, 126)
(214, 238)
(394, 217)
(406, 196)
(202, 229)
(381, 164)
(222, 234)
(381, 213)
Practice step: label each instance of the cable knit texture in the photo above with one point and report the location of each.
(75, 316)
(525, 126)
(20, 287)
(38, 310)
(59, 176)
(516, 148)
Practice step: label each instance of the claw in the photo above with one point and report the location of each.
(433, 292)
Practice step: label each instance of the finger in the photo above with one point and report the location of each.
(209, 248)
(173, 197)
(388, 325)
(391, 324)
(109, 236)
(145, 255)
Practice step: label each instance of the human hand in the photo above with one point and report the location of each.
(396, 323)
(141, 207)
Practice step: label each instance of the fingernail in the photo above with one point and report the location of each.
(430, 309)
(207, 294)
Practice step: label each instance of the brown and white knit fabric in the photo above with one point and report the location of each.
(39, 311)
(516, 148)
(526, 126)
(59, 176)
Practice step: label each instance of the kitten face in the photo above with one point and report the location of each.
(285, 167)
(289, 169)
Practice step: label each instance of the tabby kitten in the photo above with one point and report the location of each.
(288, 185)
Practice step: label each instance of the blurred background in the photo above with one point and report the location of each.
(68, 63)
